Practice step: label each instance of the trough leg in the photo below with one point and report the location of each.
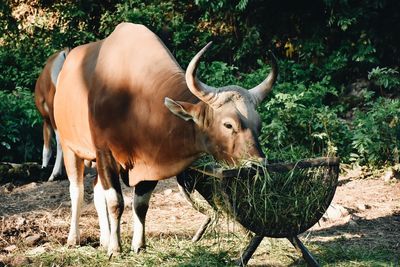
(249, 251)
(185, 193)
(185, 189)
(200, 232)
(308, 257)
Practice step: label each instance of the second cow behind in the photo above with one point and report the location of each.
(45, 89)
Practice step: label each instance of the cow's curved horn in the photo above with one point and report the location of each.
(202, 91)
(260, 91)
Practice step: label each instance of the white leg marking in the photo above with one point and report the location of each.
(76, 193)
(101, 207)
(115, 206)
(139, 203)
(46, 155)
(57, 169)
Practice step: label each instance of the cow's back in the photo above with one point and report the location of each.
(134, 56)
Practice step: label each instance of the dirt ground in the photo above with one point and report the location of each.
(35, 215)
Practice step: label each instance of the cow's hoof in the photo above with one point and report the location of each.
(72, 244)
(113, 252)
(104, 241)
(55, 176)
(138, 249)
(73, 240)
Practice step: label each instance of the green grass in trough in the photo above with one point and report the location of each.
(275, 202)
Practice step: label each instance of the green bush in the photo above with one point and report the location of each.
(386, 78)
(20, 130)
(376, 133)
(297, 123)
(310, 112)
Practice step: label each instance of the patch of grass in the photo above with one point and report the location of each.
(168, 251)
(63, 256)
(219, 251)
(341, 254)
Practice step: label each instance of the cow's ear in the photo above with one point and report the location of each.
(181, 109)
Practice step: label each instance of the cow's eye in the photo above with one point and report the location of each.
(228, 125)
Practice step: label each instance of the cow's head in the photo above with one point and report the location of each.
(226, 117)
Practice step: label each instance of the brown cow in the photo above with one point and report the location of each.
(114, 103)
(45, 89)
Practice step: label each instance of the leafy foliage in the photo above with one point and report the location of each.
(376, 133)
(20, 128)
(385, 77)
(322, 49)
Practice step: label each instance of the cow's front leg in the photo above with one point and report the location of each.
(140, 205)
(109, 177)
(101, 208)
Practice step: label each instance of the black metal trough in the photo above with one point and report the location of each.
(228, 187)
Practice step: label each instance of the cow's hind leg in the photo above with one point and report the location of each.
(47, 135)
(101, 208)
(109, 176)
(142, 194)
(57, 169)
(74, 167)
